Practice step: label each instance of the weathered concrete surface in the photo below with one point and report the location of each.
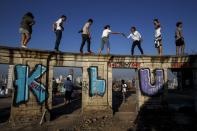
(32, 111)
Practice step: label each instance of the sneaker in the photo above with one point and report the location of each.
(90, 52)
(24, 46)
(56, 50)
(81, 52)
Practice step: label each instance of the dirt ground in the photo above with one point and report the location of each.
(160, 117)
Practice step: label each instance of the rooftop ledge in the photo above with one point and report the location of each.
(6, 49)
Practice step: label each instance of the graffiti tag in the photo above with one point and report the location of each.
(180, 65)
(24, 82)
(124, 65)
(97, 87)
(145, 82)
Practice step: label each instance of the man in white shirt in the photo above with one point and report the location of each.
(105, 38)
(58, 28)
(135, 35)
(124, 90)
(86, 36)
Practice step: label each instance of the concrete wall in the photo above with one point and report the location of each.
(31, 110)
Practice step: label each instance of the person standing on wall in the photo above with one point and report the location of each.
(158, 37)
(86, 36)
(137, 39)
(105, 39)
(26, 28)
(58, 28)
(179, 39)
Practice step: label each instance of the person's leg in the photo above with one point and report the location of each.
(99, 52)
(28, 37)
(66, 97)
(161, 48)
(123, 96)
(23, 37)
(58, 39)
(160, 51)
(82, 43)
(108, 46)
(140, 48)
(183, 49)
(88, 45)
(70, 96)
(132, 48)
(108, 51)
(102, 46)
(177, 50)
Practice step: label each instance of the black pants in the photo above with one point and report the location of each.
(139, 46)
(84, 39)
(68, 95)
(58, 39)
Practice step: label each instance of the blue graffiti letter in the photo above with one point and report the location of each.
(24, 82)
(97, 87)
(145, 82)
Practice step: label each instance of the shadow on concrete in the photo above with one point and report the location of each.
(175, 113)
(60, 108)
(65, 109)
(117, 100)
(5, 109)
(4, 114)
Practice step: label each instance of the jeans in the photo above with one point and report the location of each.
(138, 43)
(84, 39)
(58, 39)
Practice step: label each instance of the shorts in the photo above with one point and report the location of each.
(105, 40)
(23, 31)
(158, 43)
(180, 42)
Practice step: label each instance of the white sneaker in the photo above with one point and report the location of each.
(24, 46)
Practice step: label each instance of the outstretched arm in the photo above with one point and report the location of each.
(116, 33)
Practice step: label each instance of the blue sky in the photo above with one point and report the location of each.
(120, 14)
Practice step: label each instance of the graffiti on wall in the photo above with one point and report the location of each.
(26, 81)
(147, 88)
(180, 65)
(124, 65)
(97, 86)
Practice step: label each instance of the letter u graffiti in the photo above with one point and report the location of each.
(145, 82)
(24, 82)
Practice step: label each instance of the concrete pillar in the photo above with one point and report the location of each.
(109, 86)
(30, 111)
(10, 78)
(96, 102)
